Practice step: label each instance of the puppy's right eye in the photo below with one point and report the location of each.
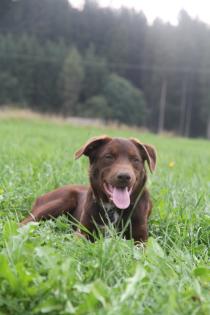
(109, 157)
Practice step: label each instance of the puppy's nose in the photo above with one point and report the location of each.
(124, 177)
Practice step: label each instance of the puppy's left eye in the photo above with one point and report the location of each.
(135, 159)
(109, 157)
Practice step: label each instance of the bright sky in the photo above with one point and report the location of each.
(167, 10)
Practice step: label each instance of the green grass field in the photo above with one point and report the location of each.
(46, 269)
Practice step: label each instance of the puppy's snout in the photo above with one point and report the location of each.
(123, 177)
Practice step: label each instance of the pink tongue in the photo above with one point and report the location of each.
(121, 197)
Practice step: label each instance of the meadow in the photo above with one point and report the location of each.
(46, 269)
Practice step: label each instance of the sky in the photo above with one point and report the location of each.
(167, 10)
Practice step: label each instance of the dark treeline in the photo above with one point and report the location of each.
(100, 62)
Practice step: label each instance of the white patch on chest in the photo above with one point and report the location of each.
(112, 213)
(107, 205)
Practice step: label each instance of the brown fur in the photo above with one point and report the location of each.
(116, 161)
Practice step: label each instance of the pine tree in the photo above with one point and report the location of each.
(71, 81)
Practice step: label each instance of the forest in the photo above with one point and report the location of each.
(106, 63)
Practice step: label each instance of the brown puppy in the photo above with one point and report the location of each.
(116, 194)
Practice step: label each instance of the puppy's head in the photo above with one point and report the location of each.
(117, 167)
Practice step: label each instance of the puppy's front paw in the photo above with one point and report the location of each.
(78, 233)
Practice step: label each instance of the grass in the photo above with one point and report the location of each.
(45, 269)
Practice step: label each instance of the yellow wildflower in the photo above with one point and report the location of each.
(171, 164)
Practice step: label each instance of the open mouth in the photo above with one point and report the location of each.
(120, 196)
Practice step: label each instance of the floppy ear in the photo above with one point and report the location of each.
(93, 144)
(148, 153)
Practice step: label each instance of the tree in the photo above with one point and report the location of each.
(97, 106)
(71, 81)
(126, 102)
(160, 58)
(96, 73)
(8, 88)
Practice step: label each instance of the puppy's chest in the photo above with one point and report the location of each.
(108, 215)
